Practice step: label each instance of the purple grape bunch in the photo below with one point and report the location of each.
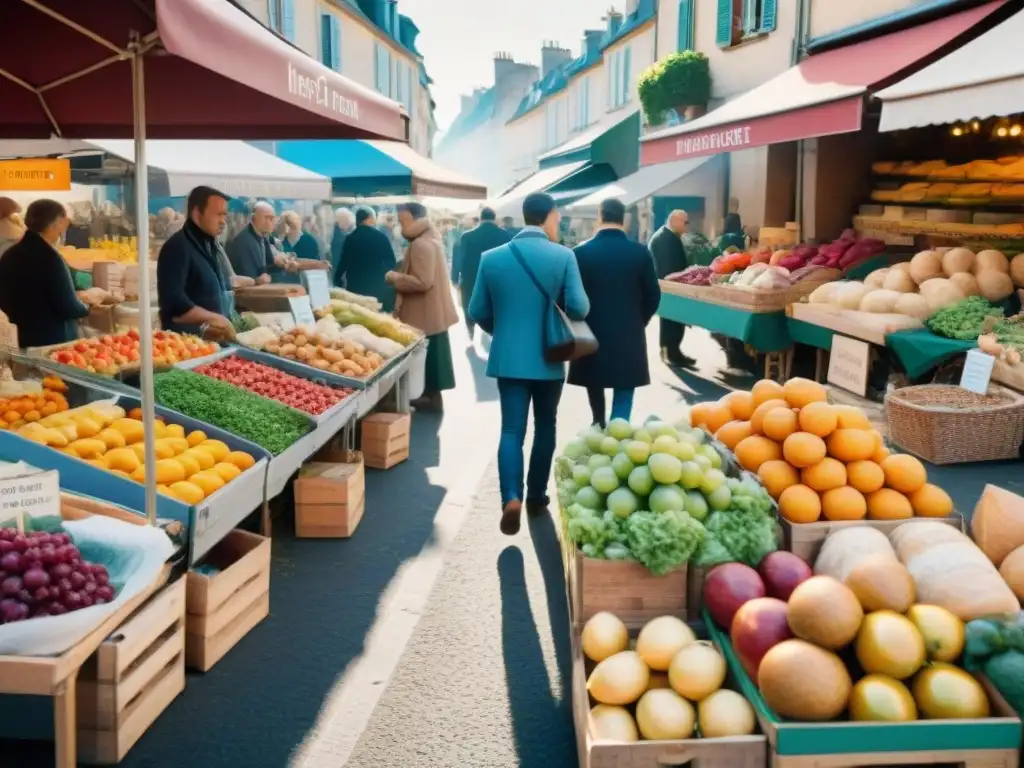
(43, 574)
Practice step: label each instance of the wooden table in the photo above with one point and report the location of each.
(57, 676)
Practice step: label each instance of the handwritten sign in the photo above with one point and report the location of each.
(977, 372)
(318, 287)
(33, 495)
(302, 310)
(848, 364)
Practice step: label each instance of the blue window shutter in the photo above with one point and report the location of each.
(335, 43)
(288, 19)
(376, 66)
(627, 83)
(685, 25)
(769, 14)
(326, 51)
(274, 14)
(724, 27)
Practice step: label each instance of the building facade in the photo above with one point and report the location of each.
(369, 42)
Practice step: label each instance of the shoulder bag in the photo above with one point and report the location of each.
(564, 339)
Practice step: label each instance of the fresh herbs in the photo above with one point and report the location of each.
(963, 320)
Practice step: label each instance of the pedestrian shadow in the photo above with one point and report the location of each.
(486, 388)
(538, 728)
(548, 550)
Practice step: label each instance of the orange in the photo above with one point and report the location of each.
(758, 416)
(865, 476)
(800, 393)
(755, 450)
(803, 449)
(202, 456)
(779, 423)
(931, 501)
(880, 454)
(195, 438)
(800, 504)
(732, 433)
(766, 390)
(819, 419)
(904, 473)
(776, 476)
(851, 444)
(717, 416)
(843, 504)
(135, 413)
(240, 459)
(825, 475)
(228, 472)
(741, 404)
(887, 504)
(851, 417)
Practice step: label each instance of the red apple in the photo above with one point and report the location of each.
(727, 587)
(758, 626)
(782, 573)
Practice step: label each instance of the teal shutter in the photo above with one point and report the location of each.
(335, 43)
(274, 14)
(627, 82)
(288, 19)
(376, 68)
(685, 41)
(724, 28)
(769, 14)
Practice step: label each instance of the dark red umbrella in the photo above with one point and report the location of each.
(211, 70)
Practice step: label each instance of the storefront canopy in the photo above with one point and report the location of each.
(612, 140)
(982, 79)
(646, 182)
(821, 96)
(565, 183)
(378, 168)
(71, 75)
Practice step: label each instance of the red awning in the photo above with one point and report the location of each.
(820, 96)
(241, 80)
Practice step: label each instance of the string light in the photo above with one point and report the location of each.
(975, 126)
(1002, 131)
(957, 131)
(1015, 130)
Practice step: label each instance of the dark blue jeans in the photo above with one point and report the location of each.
(516, 396)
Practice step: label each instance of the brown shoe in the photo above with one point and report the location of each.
(510, 517)
(429, 401)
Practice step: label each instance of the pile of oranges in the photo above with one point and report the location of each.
(25, 409)
(819, 460)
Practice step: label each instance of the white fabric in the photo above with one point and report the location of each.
(424, 169)
(984, 78)
(648, 181)
(510, 204)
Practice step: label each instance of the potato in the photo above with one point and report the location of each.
(288, 349)
(287, 338)
(301, 340)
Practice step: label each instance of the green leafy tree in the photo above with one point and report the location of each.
(678, 81)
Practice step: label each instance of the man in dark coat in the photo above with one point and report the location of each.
(344, 223)
(366, 257)
(509, 225)
(485, 236)
(618, 276)
(669, 256)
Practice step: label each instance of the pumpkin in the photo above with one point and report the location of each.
(824, 611)
(803, 682)
(998, 522)
(803, 449)
(1012, 571)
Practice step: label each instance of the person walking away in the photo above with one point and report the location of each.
(344, 223)
(485, 236)
(670, 256)
(507, 304)
(11, 230)
(509, 225)
(37, 292)
(366, 257)
(301, 246)
(732, 233)
(190, 278)
(251, 253)
(618, 277)
(425, 300)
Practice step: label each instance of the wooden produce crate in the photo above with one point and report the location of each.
(222, 608)
(805, 539)
(385, 439)
(132, 678)
(991, 742)
(732, 752)
(330, 498)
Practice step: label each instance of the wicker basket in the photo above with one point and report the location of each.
(945, 424)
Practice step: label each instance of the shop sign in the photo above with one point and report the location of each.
(35, 495)
(848, 364)
(977, 372)
(36, 175)
(714, 141)
(318, 92)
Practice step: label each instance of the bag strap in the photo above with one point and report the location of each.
(530, 273)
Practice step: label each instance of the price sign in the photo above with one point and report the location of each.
(318, 287)
(202, 519)
(848, 364)
(302, 310)
(977, 372)
(34, 495)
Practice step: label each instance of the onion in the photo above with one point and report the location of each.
(725, 713)
(661, 639)
(603, 636)
(619, 679)
(607, 723)
(697, 671)
(664, 714)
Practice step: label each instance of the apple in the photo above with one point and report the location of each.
(782, 572)
(727, 587)
(758, 626)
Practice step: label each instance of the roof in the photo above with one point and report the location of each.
(642, 184)
(981, 79)
(645, 11)
(467, 122)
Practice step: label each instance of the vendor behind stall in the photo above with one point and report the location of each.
(301, 246)
(191, 280)
(365, 258)
(36, 290)
(251, 253)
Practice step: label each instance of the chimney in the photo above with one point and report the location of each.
(592, 42)
(552, 56)
(614, 20)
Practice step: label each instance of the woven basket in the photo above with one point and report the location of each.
(945, 424)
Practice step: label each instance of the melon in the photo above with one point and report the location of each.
(803, 682)
(1012, 571)
(826, 612)
(998, 522)
(846, 548)
(881, 582)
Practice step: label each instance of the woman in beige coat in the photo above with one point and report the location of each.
(425, 299)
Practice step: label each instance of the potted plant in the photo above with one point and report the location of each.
(681, 82)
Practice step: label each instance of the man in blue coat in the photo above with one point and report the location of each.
(510, 306)
(485, 236)
(618, 276)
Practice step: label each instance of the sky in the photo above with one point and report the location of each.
(458, 38)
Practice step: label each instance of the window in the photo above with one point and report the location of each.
(627, 81)
(410, 97)
(382, 69)
(743, 19)
(685, 40)
(330, 41)
(281, 17)
(582, 106)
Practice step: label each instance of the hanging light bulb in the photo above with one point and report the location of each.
(957, 130)
(1015, 130)
(975, 126)
(1002, 131)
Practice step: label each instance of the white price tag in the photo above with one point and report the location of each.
(848, 364)
(202, 519)
(302, 310)
(35, 495)
(977, 372)
(318, 287)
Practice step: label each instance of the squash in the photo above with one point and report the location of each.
(1017, 270)
(846, 548)
(994, 285)
(1012, 571)
(940, 292)
(991, 260)
(913, 305)
(824, 294)
(957, 260)
(925, 266)
(883, 301)
(876, 279)
(899, 281)
(881, 583)
(997, 524)
(824, 611)
(850, 295)
(802, 682)
(910, 539)
(966, 282)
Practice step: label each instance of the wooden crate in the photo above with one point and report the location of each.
(132, 678)
(330, 498)
(967, 758)
(733, 752)
(628, 590)
(385, 439)
(695, 592)
(222, 608)
(805, 539)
